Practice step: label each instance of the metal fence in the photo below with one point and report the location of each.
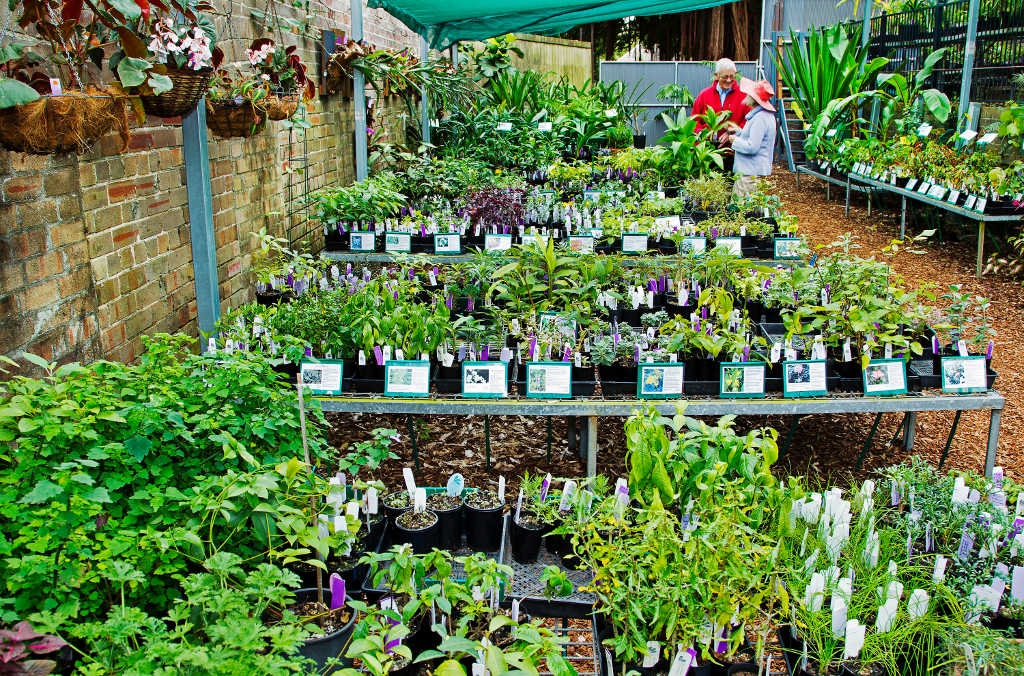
(694, 75)
(908, 37)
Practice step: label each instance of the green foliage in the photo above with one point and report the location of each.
(102, 455)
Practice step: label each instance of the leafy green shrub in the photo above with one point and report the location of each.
(98, 458)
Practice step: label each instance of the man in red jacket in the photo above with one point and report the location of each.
(723, 94)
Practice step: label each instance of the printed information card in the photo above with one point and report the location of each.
(885, 376)
(485, 379)
(961, 375)
(549, 379)
(361, 241)
(397, 242)
(804, 378)
(659, 381)
(407, 378)
(741, 379)
(322, 377)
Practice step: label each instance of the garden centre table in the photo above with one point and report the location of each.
(981, 218)
(850, 183)
(591, 409)
(379, 257)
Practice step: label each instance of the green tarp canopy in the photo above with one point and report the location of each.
(443, 22)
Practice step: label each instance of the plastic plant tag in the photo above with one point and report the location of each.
(839, 608)
(961, 347)
(478, 669)
(568, 491)
(337, 591)
(504, 126)
(519, 505)
(611, 112)
(886, 615)
(545, 486)
(960, 492)
(854, 639)
(501, 489)
(543, 126)
(652, 655)
(968, 135)
(362, 358)
(987, 138)
(420, 499)
(371, 500)
(621, 498)
(1017, 585)
(410, 481)
(814, 595)
(939, 572)
(683, 662)
(455, 485)
(924, 130)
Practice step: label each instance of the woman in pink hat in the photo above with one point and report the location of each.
(754, 144)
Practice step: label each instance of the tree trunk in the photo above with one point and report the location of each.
(740, 19)
(716, 34)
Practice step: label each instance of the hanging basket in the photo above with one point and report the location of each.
(189, 87)
(229, 119)
(68, 123)
(280, 107)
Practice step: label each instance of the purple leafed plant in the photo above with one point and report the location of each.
(22, 642)
(496, 205)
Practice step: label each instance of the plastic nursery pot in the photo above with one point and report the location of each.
(419, 529)
(449, 519)
(394, 504)
(331, 645)
(639, 140)
(482, 513)
(526, 535)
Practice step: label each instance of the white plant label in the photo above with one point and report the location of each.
(501, 489)
(455, 485)
(410, 481)
(854, 639)
(504, 126)
(544, 126)
(1017, 584)
(968, 135)
(653, 652)
(611, 112)
(420, 501)
(568, 491)
(987, 138)
(371, 500)
(939, 573)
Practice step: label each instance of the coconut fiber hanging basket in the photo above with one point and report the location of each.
(280, 106)
(67, 123)
(229, 119)
(189, 87)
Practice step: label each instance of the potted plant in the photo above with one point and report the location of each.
(285, 73)
(483, 513)
(235, 103)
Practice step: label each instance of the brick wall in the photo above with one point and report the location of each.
(95, 249)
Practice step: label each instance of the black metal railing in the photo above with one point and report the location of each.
(907, 37)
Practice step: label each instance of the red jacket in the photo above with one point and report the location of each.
(709, 98)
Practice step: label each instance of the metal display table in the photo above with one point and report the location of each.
(848, 182)
(626, 259)
(592, 409)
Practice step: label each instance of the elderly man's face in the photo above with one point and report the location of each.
(726, 78)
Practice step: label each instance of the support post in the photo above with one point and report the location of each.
(970, 46)
(200, 217)
(487, 440)
(424, 96)
(412, 439)
(592, 445)
(867, 442)
(865, 29)
(949, 439)
(981, 247)
(993, 441)
(359, 97)
(789, 435)
(903, 217)
(908, 431)
(899, 430)
(570, 429)
(549, 439)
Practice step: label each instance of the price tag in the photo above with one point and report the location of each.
(937, 191)
(924, 130)
(544, 126)
(953, 196)
(611, 112)
(970, 201)
(981, 204)
(830, 133)
(911, 183)
(924, 187)
(55, 87)
(987, 138)
(968, 135)
(504, 126)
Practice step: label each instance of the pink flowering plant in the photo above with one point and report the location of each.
(280, 67)
(187, 47)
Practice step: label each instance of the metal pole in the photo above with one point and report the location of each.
(549, 439)
(200, 217)
(592, 444)
(424, 96)
(359, 97)
(981, 246)
(993, 441)
(865, 29)
(487, 440)
(969, 49)
(412, 438)
(949, 439)
(908, 431)
(867, 442)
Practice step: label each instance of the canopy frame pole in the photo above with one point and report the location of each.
(424, 100)
(970, 46)
(200, 217)
(359, 97)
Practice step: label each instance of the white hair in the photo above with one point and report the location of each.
(722, 64)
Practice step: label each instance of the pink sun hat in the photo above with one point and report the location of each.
(760, 90)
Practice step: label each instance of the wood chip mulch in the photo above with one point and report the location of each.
(822, 446)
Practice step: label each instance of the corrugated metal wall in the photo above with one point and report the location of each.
(694, 75)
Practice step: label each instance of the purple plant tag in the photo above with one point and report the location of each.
(565, 354)
(723, 641)
(966, 545)
(545, 486)
(337, 591)
(462, 352)
(309, 352)
(484, 351)
(746, 353)
(378, 354)
(448, 301)
(927, 537)
(988, 353)
(533, 346)
(935, 344)
(423, 230)
(636, 354)
(469, 304)
(703, 311)
(615, 337)
(435, 272)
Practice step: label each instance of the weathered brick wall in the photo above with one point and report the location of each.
(95, 249)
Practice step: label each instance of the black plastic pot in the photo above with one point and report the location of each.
(423, 540)
(322, 649)
(639, 140)
(483, 528)
(525, 542)
(273, 297)
(392, 512)
(449, 527)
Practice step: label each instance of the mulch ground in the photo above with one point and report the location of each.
(823, 447)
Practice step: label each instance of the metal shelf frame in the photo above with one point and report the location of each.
(592, 409)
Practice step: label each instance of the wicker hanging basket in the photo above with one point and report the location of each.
(280, 107)
(189, 87)
(68, 123)
(231, 120)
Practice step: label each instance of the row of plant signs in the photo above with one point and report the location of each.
(664, 380)
(630, 243)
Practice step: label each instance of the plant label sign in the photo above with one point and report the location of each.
(693, 246)
(804, 378)
(549, 379)
(656, 195)
(397, 242)
(634, 242)
(787, 248)
(668, 222)
(961, 375)
(741, 380)
(660, 381)
(448, 243)
(407, 378)
(733, 245)
(322, 377)
(540, 241)
(565, 325)
(885, 377)
(581, 243)
(924, 130)
(504, 126)
(543, 126)
(362, 241)
(497, 242)
(484, 379)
